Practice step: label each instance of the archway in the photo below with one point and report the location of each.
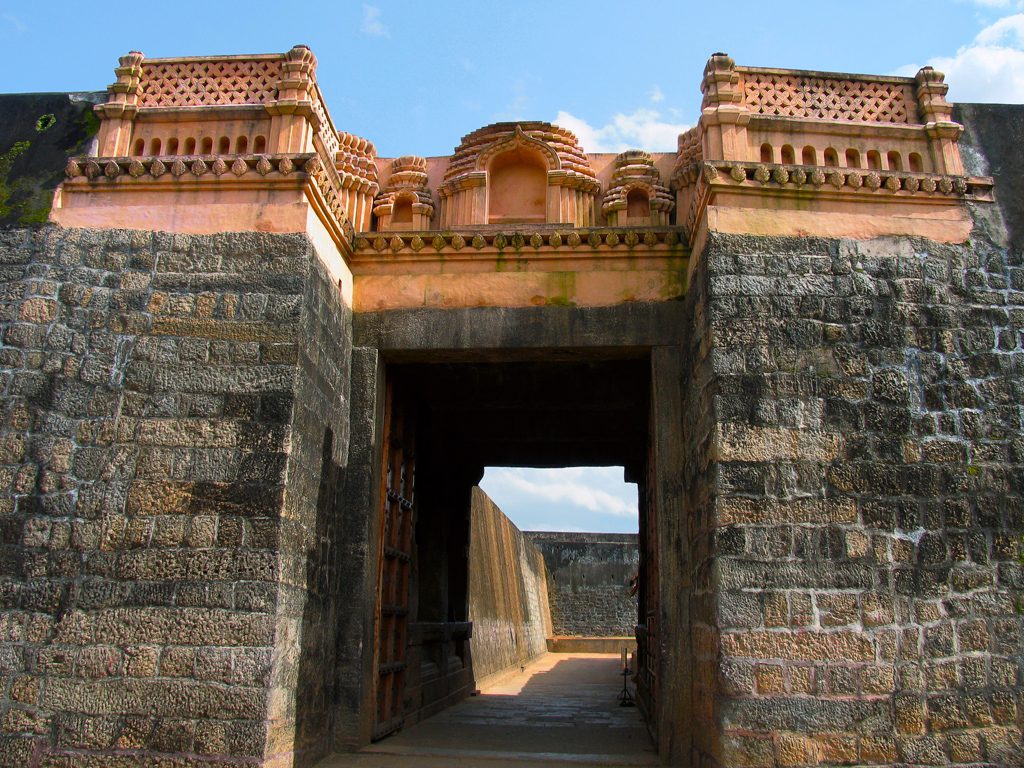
(445, 422)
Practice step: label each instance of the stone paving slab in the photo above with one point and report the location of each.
(562, 709)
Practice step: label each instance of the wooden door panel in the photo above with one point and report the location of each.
(396, 538)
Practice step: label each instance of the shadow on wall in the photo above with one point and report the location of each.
(315, 690)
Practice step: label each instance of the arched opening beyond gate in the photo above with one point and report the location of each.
(444, 423)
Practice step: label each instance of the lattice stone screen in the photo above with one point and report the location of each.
(792, 95)
(209, 83)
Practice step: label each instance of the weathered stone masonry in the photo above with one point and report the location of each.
(160, 418)
(859, 563)
(508, 596)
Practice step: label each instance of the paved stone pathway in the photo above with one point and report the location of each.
(562, 710)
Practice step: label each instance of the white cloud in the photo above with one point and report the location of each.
(372, 25)
(641, 129)
(655, 95)
(990, 68)
(575, 487)
(996, 3)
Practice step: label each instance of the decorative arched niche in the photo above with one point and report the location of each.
(517, 187)
(636, 196)
(511, 173)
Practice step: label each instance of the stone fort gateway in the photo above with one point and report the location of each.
(233, 336)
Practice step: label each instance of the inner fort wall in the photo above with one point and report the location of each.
(588, 582)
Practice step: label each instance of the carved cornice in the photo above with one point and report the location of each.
(184, 167)
(820, 178)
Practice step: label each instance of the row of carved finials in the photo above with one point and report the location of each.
(113, 167)
(893, 181)
(154, 167)
(518, 240)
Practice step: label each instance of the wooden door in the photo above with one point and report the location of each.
(396, 543)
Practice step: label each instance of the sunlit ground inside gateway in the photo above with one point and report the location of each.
(593, 499)
(561, 709)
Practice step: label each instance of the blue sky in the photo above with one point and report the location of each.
(413, 77)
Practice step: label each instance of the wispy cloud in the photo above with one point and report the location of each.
(557, 528)
(642, 129)
(19, 26)
(990, 68)
(518, 105)
(372, 24)
(655, 95)
(996, 3)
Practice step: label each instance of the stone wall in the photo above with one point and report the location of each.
(164, 558)
(856, 506)
(314, 529)
(588, 582)
(508, 596)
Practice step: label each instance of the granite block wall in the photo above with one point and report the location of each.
(588, 582)
(856, 509)
(508, 595)
(315, 527)
(152, 486)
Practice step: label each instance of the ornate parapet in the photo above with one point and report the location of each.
(235, 143)
(209, 144)
(800, 152)
(827, 118)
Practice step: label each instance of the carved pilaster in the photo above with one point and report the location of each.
(122, 105)
(723, 114)
(294, 117)
(937, 116)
